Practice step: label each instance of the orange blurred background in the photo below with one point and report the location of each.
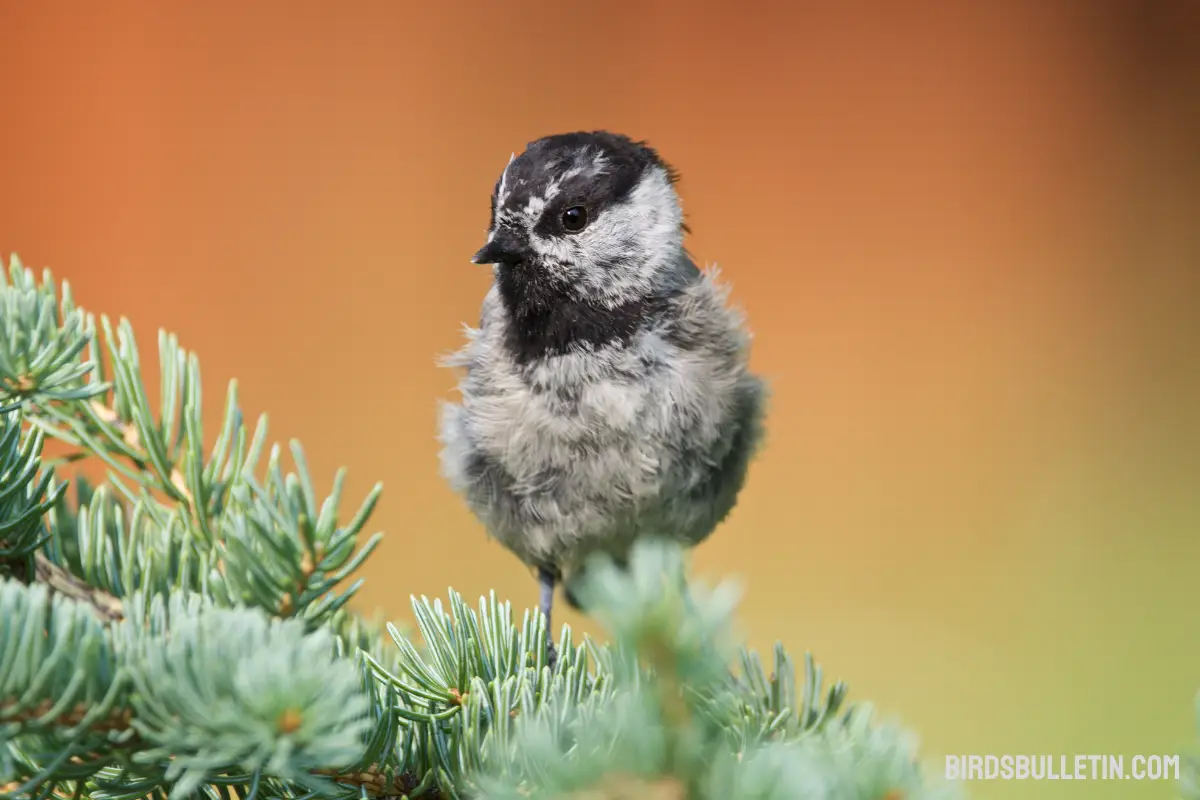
(965, 234)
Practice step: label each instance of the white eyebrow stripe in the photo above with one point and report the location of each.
(502, 192)
(535, 207)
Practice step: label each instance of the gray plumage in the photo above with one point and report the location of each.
(606, 393)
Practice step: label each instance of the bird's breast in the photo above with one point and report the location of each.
(571, 436)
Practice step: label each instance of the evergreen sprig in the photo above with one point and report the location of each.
(181, 629)
(213, 687)
(25, 495)
(680, 724)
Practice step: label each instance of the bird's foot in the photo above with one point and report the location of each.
(547, 578)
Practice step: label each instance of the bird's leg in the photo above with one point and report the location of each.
(547, 580)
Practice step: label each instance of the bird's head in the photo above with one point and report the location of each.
(591, 217)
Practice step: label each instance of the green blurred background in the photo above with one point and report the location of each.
(965, 234)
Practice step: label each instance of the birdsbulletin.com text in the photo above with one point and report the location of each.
(1062, 767)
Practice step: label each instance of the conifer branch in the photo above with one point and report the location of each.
(180, 630)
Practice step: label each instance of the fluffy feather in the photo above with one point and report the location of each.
(635, 412)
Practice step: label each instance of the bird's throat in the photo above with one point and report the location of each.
(545, 319)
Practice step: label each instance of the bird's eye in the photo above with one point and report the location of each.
(574, 219)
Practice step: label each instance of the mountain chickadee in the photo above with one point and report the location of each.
(606, 393)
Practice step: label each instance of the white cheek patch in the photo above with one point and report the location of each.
(555, 254)
(655, 206)
(636, 240)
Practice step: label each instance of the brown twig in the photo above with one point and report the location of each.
(62, 582)
(118, 720)
(378, 784)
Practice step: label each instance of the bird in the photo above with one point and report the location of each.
(606, 393)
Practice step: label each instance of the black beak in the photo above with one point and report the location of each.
(504, 248)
